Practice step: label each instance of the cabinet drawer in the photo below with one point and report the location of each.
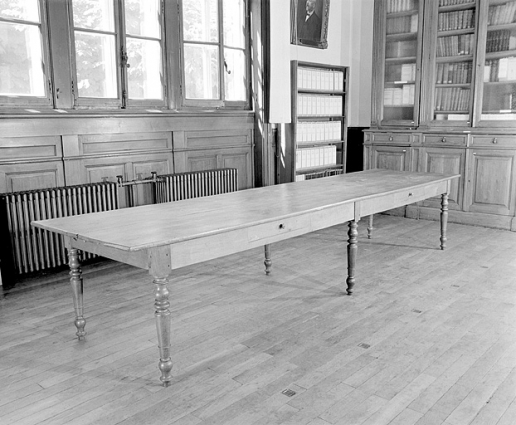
(444, 139)
(495, 141)
(392, 138)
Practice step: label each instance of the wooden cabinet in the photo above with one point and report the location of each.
(316, 140)
(491, 178)
(460, 56)
(449, 161)
(390, 158)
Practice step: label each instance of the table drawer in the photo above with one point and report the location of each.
(444, 140)
(495, 141)
(401, 198)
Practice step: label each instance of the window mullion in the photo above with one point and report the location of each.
(122, 63)
(222, 60)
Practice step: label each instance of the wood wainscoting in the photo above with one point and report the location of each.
(38, 152)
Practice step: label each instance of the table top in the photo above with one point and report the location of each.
(144, 227)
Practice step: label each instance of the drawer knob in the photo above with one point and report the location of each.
(410, 194)
(443, 140)
(282, 226)
(390, 138)
(495, 141)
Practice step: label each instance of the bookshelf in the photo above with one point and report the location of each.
(460, 58)
(316, 138)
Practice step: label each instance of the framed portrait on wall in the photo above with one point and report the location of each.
(309, 23)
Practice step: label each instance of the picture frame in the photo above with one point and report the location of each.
(309, 23)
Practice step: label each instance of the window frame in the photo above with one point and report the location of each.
(123, 100)
(220, 103)
(60, 68)
(46, 101)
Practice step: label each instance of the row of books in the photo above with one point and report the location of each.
(402, 25)
(399, 96)
(319, 105)
(455, 45)
(502, 14)
(401, 49)
(454, 73)
(317, 174)
(454, 2)
(452, 99)
(456, 20)
(315, 131)
(500, 40)
(498, 116)
(318, 156)
(395, 6)
(320, 79)
(503, 69)
(408, 72)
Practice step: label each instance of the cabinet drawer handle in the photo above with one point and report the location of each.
(443, 140)
(404, 150)
(495, 141)
(410, 194)
(281, 226)
(390, 138)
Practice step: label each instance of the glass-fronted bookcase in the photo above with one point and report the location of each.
(497, 48)
(463, 116)
(398, 81)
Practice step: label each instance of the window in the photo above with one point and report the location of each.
(23, 64)
(215, 65)
(117, 54)
(118, 61)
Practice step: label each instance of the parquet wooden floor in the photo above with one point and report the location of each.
(428, 337)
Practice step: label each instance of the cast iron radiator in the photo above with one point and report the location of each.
(33, 249)
(175, 187)
(25, 249)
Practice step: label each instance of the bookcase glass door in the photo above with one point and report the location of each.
(400, 85)
(455, 48)
(499, 73)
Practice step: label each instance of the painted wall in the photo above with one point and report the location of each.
(350, 38)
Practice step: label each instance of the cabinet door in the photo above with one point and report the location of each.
(491, 178)
(446, 161)
(390, 157)
(449, 73)
(497, 51)
(397, 51)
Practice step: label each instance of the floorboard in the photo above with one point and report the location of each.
(428, 337)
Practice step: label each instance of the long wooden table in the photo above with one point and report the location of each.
(164, 237)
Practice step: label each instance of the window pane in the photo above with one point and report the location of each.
(142, 18)
(25, 10)
(144, 74)
(93, 14)
(96, 65)
(234, 23)
(200, 20)
(235, 75)
(21, 60)
(201, 72)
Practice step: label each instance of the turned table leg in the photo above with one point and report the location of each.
(444, 219)
(352, 254)
(77, 291)
(370, 227)
(268, 261)
(163, 320)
